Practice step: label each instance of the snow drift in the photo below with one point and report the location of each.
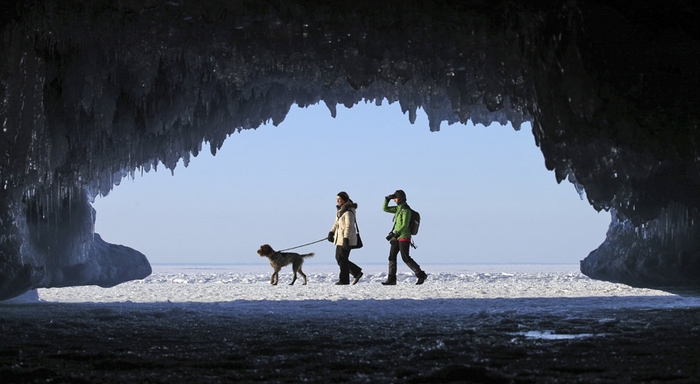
(92, 91)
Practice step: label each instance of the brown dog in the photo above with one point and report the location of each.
(280, 259)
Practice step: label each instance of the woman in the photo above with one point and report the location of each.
(344, 232)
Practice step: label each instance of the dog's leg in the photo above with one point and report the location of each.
(297, 268)
(302, 275)
(294, 278)
(275, 277)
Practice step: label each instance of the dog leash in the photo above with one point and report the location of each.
(303, 245)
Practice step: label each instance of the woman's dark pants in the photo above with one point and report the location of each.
(347, 267)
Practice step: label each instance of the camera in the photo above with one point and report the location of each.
(389, 197)
(390, 236)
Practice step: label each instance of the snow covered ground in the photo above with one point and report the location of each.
(224, 283)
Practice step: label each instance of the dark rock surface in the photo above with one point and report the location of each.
(403, 341)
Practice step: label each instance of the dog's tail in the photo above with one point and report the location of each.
(308, 254)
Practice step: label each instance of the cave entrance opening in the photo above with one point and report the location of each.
(484, 192)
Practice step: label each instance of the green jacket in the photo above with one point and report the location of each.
(402, 218)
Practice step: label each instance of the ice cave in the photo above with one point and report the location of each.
(94, 90)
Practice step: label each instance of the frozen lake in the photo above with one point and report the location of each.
(225, 283)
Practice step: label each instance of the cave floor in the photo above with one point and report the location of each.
(160, 343)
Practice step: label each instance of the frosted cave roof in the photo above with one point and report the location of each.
(94, 90)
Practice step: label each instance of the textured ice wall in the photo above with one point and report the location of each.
(95, 90)
(661, 253)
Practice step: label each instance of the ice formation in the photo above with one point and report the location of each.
(95, 90)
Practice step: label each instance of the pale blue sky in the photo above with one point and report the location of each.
(484, 194)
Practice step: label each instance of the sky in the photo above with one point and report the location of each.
(484, 194)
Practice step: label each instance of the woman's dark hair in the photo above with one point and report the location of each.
(344, 195)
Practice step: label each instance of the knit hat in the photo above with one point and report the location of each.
(401, 195)
(344, 195)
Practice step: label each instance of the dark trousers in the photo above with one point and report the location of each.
(347, 267)
(403, 247)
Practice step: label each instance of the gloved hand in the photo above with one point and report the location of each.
(393, 240)
(331, 235)
(390, 236)
(346, 244)
(389, 197)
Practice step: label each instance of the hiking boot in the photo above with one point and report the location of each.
(357, 278)
(421, 278)
(389, 282)
(342, 283)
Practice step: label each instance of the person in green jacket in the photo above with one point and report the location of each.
(400, 237)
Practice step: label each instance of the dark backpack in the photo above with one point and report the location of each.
(415, 222)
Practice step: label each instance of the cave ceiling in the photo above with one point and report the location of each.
(95, 90)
